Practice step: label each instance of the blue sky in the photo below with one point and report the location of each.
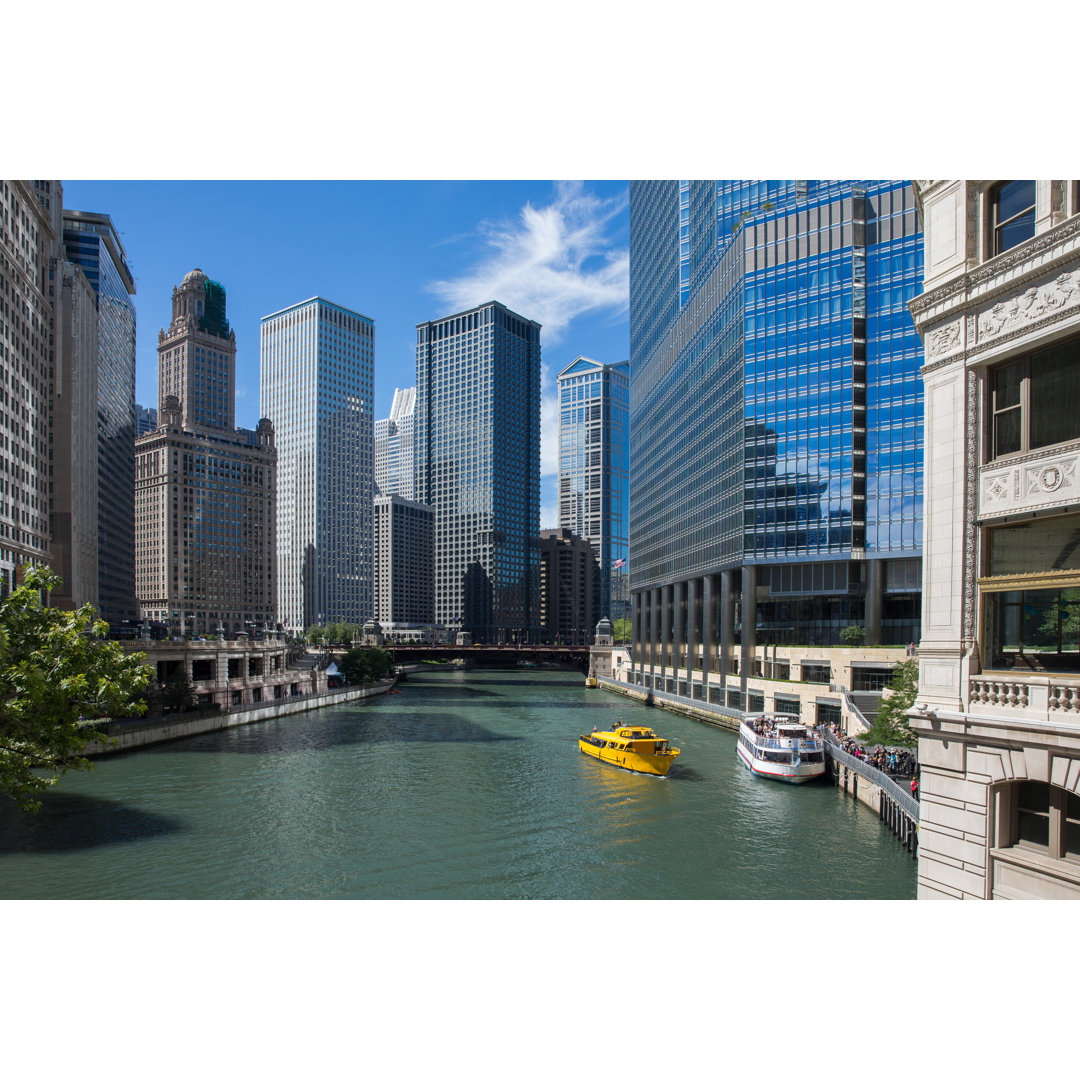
(400, 252)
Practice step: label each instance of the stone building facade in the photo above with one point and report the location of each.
(404, 563)
(998, 707)
(27, 244)
(568, 573)
(205, 492)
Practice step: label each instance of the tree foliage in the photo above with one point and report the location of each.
(333, 634)
(890, 726)
(853, 636)
(365, 665)
(621, 630)
(57, 678)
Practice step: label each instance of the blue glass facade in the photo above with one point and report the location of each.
(91, 241)
(594, 486)
(776, 407)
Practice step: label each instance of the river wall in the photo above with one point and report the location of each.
(132, 736)
(717, 715)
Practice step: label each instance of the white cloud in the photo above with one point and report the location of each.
(554, 263)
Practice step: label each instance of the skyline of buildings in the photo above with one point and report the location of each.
(776, 426)
(477, 438)
(316, 362)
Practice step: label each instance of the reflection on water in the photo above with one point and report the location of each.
(464, 785)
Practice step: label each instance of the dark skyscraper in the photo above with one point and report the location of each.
(91, 242)
(477, 446)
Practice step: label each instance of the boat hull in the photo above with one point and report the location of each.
(790, 774)
(648, 764)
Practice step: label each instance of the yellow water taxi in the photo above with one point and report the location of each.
(632, 747)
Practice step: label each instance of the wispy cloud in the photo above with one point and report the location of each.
(552, 264)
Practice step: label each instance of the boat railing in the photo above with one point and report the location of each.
(788, 743)
(869, 772)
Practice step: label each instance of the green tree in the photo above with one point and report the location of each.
(621, 630)
(57, 679)
(365, 665)
(890, 726)
(853, 635)
(178, 693)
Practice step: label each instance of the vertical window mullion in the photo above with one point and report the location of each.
(1025, 407)
(1057, 823)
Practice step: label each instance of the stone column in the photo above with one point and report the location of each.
(692, 615)
(727, 623)
(875, 573)
(635, 635)
(678, 614)
(665, 630)
(749, 626)
(707, 623)
(654, 633)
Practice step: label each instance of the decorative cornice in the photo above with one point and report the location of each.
(1000, 264)
(1036, 579)
(929, 369)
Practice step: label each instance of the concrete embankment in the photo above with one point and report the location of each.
(707, 714)
(132, 736)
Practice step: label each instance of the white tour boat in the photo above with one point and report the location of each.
(778, 746)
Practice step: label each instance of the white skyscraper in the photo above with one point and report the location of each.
(394, 447)
(316, 360)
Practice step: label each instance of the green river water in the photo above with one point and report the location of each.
(465, 785)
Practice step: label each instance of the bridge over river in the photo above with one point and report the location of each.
(493, 656)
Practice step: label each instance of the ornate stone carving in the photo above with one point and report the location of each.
(1046, 479)
(1037, 481)
(1030, 305)
(942, 340)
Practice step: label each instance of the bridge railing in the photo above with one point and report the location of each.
(864, 769)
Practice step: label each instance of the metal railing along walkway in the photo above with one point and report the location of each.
(882, 780)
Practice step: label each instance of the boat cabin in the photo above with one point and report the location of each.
(640, 740)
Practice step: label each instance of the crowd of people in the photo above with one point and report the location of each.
(894, 762)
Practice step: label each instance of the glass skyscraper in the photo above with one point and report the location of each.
(90, 241)
(594, 445)
(776, 477)
(477, 431)
(394, 472)
(316, 363)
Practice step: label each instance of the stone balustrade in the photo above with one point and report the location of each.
(1045, 697)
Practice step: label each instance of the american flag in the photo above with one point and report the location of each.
(618, 564)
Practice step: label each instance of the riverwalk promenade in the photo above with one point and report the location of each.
(133, 734)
